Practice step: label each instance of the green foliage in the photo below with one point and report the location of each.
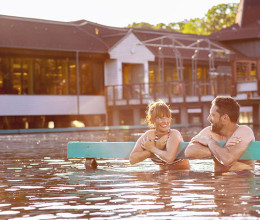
(141, 25)
(217, 18)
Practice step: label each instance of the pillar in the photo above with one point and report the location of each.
(116, 120)
(233, 90)
(184, 115)
(136, 116)
(256, 114)
(258, 75)
(205, 114)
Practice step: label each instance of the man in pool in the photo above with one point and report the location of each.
(223, 117)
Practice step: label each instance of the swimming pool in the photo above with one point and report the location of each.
(37, 181)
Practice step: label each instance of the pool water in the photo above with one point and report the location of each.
(37, 181)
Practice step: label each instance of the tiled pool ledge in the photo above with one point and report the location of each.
(76, 129)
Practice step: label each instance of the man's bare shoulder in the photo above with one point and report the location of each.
(209, 133)
(245, 128)
(206, 131)
(244, 131)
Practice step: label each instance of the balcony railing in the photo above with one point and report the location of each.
(170, 92)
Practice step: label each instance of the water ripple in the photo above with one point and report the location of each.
(37, 181)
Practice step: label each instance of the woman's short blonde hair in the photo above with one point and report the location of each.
(156, 110)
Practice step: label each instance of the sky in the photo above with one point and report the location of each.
(116, 13)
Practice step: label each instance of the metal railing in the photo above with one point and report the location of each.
(142, 93)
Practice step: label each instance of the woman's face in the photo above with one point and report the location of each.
(162, 123)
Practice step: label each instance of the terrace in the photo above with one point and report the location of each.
(243, 85)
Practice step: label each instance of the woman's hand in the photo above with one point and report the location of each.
(161, 143)
(143, 141)
(149, 145)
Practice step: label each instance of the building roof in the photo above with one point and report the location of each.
(109, 35)
(169, 44)
(246, 26)
(235, 32)
(48, 35)
(248, 13)
(90, 37)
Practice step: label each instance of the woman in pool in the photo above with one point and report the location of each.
(160, 143)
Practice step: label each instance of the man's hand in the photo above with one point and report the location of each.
(204, 140)
(233, 141)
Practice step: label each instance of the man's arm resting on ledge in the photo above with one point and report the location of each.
(196, 150)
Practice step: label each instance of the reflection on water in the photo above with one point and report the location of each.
(37, 181)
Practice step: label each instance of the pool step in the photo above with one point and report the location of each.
(123, 149)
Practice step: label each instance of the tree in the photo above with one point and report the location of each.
(178, 26)
(141, 25)
(194, 26)
(217, 18)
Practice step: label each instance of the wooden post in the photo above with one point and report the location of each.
(248, 69)
(78, 81)
(90, 163)
(154, 91)
(184, 91)
(168, 87)
(106, 96)
(114, 94)
(141, 93)
(128, 89)
(198, 89)
(258, 76)
(233, 90)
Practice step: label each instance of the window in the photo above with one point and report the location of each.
(86, 85)
(50, 75)
(63, 75)
(3, 75)
(246, 70)
(91, 78)
(72, 78)
(16, 75)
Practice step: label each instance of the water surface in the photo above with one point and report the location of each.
(37, 181)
